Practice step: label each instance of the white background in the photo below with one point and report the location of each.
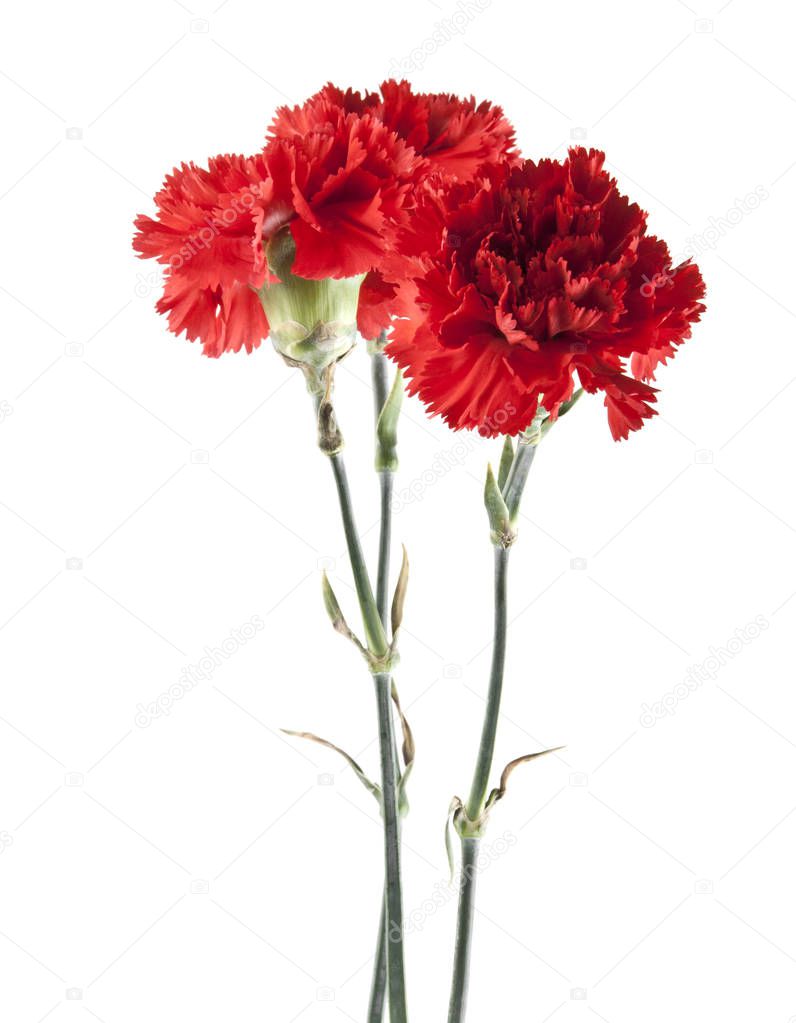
(650, 869)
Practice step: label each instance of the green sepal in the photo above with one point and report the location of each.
(506, 458)
(502, 532)
(387, 428)
(312, 323)
(548, 424)
(332, 606)
(337, 618)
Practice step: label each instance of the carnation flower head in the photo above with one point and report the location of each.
(452, 139)
(454, 136)
(204, 234)
(342, 189)
(533, 274)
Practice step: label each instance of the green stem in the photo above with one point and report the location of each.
(486, 749)
(381, 389)
(374, 630)
(475, 804)
(379, 377)
(518, 477)
(378, 989)
(385, 536)
(394, 927)
(512, 494)
(377, 643)
(464, 929)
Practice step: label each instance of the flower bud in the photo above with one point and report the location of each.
(313, 324)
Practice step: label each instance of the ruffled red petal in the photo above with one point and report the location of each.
(533, 274)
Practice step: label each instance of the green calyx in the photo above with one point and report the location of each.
(313, 324)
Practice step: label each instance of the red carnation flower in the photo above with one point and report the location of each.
(456, 136)
(204, 234)
(342, 188)
(539, 272)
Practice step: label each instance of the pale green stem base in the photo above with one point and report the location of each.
(464, 929)
(394, 926)
(379, 377)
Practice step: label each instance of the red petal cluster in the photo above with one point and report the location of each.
(538, 272)
(452, 139)
(204, 234)
(344, 188)
(455, 136)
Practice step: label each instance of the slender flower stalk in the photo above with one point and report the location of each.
(378, 988)
(472, 818)
(330, 443)
(486, 748)
(464, 928)
(381, 390)
(379, 377)
(393, 930)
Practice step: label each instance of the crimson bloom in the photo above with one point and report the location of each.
(453, 139)
(456, 137)
(539, 272)
(204, 235)
(342, 189)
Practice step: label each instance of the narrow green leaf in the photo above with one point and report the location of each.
(508, 770)
(566, 406)
(400, 594)
(332, 606)
(371, 786)
(408, 748)
(506, 458)
(336, 616)
(501, 530)
(455, 808)
(403, 802)
(387, 428)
